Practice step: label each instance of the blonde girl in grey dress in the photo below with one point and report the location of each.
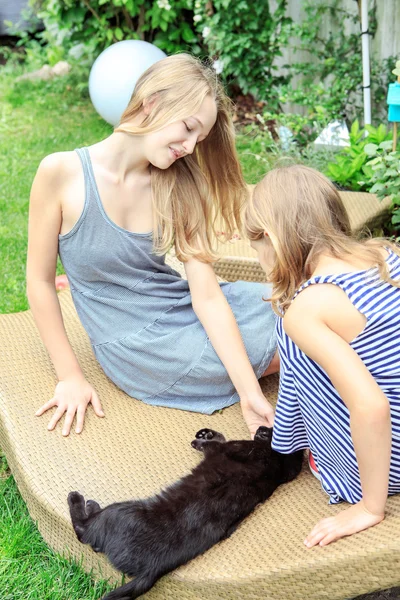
(112, 211)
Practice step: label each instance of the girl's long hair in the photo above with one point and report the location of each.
(304, 216)
(199, 193)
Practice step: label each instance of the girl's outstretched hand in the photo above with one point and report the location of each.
(354, 519)
(257, 412)
(72, 397)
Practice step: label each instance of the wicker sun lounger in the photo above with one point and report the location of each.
(136, 450)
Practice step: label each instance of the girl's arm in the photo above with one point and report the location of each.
(73, 392)
(215, 314)
(313, 322)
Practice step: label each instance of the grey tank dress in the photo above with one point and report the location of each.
(137, 312)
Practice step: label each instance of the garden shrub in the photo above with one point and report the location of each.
(304, 127)
(331, 80)
(384, 163)
(83, 28)
(350, 168)
(245, 38)
(242, 38)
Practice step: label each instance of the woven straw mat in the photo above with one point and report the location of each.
(138, 449)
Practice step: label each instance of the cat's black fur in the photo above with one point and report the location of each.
(148, 538)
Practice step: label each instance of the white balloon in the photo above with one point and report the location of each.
(114, 74)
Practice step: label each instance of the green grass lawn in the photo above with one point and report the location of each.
(29, 570)
(36, 120)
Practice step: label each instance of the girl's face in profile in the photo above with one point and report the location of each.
(265, 252)
(164, 147)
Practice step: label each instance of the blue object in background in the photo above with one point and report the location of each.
(393, 101)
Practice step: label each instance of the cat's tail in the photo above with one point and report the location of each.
(135, 588)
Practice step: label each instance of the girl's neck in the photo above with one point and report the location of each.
(326, 264)
(122, 155)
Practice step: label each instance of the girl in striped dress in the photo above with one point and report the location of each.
(338, 300)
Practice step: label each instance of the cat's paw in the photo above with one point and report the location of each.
(76, 503)
(206, 435)
(92, 507)
(209, 434)
(263, 434)
(75, 500)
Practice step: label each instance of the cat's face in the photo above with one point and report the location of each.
(264, 434)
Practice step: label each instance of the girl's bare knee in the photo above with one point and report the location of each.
(273, 366)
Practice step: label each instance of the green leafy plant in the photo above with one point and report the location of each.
(396, 70)
(81, 29)
(244, 38)
(350, 168)
(385, 176)
(304, 127)
(330, 71)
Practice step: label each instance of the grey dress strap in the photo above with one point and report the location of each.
(82, 153)
(88, 175)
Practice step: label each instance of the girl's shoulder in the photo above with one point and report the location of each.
(341, 301)
(323, 306)
(325, 290)
(313, 301)
(59, 181)
(53, 172)
(59, 164)
(60, 174)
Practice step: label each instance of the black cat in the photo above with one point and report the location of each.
(148, 538)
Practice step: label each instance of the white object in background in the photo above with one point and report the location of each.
(365, 61)
(334, 136)
(286, 137)
(114, 74)
(366, 66)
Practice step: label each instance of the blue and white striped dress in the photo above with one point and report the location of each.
(311, 414)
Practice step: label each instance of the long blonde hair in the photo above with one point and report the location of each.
(200, 192)
(304, 216)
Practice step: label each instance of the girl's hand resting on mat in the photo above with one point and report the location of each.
(72, 397)
(354, 519)
(257, 412)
